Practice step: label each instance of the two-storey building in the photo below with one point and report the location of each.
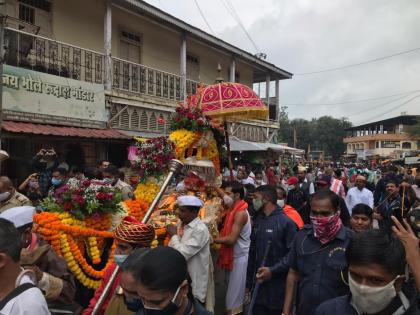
(85, 76)
(383, 139)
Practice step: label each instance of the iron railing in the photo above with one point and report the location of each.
(41, 54)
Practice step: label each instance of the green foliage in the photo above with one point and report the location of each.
(414, 130)
(323, 134)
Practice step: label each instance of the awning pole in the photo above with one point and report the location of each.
(228, 151)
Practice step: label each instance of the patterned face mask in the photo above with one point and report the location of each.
(326, 228)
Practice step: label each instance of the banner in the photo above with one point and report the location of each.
(58, 100)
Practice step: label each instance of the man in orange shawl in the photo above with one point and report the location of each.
(235, 241)
(129, 235)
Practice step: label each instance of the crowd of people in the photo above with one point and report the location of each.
(309, 239)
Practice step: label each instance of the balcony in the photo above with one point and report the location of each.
(26, 50)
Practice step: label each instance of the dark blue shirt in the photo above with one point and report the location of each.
(280, 230)
(321, 268)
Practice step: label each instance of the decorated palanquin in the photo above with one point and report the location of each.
(79, 219)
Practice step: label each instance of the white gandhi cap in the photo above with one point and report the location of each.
(191, 201)
(19, 216)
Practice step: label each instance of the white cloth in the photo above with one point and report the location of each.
(19, 216)
(194, 244)
(192, 201)
(248, 180)
(235, 294)
(355, 196)
(30, 302)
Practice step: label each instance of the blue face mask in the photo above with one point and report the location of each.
(133, 304)
(119, 259)
(56, 182)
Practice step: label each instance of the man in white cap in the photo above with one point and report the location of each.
(53, 277)
(359, 194)
(192, 239)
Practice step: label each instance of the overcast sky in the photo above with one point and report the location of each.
(302, 36)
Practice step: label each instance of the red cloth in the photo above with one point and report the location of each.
(99, 290)
(225, 260)
(271, 177)
(293, 215)
(132, 231)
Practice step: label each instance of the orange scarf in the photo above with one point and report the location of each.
(225, 260)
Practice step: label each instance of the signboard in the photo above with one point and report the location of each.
(412, 160)
(40, 97)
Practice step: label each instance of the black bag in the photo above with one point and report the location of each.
(17, 291)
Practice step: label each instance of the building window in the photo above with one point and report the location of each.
(26, 14)
(130, 46)
(389, 144)
(193, 67)
(406, 145)
(39, 4)
(377, 144)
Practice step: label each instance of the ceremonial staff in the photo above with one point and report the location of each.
(174, 166)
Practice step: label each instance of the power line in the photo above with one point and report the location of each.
(231, 9)
(359, 63)
(392, 109)
(203, 16)
(378, 106)
(351, 101)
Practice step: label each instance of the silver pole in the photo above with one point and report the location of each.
(174, 166)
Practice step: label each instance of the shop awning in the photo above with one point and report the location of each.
(242, 145)
(141, 134)
(50, 130)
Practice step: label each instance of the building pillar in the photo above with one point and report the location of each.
(232, 70)
(267, 89)
(278, 99)
(183, 63)
(108, 46)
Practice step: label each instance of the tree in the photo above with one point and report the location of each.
(414, 130)
(324, 133)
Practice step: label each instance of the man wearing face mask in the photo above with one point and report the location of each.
(129, 235)
(233, 255)
(317, 257)
(59, 179)
(18, 294)
(376, 276)
(111, 177)
(272, 227)
(9, 197)
(288, 210)
(163, 284)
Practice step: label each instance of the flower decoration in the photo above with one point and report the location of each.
(152, 156)
(83, 198)
(189, 116)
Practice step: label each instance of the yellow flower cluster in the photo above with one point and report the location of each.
(67, 219)
(212, 151)
(147, 191)
(183, 140)
(74, 266)
(93, 250)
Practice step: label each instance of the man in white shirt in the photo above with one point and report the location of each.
(18, 295)
(304, 184)
(359, 194)
(192, 239)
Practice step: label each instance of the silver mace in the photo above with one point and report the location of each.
(174, 166)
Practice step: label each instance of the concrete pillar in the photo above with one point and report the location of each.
(107, 46)
(267, 89)
(232, 70)
(183, 63)
(278, 99)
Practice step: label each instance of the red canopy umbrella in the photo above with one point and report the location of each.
(230, 101)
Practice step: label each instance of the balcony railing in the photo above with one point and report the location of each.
(41, 54)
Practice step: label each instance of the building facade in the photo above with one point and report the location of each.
(383, 139)
(72, 68)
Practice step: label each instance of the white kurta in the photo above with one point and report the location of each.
(30, 302)
(195, 246)
(356, 196)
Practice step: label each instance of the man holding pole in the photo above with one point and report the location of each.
(267, 270)
(129, 235)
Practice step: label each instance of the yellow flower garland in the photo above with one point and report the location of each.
(183, 140)
(146, 191)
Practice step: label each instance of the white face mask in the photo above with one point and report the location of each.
(280, 203)
(371, 300)
(4, 196)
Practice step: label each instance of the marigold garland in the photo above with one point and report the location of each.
(184, 140)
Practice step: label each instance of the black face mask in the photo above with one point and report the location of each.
(169, 309)
(133, 304)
